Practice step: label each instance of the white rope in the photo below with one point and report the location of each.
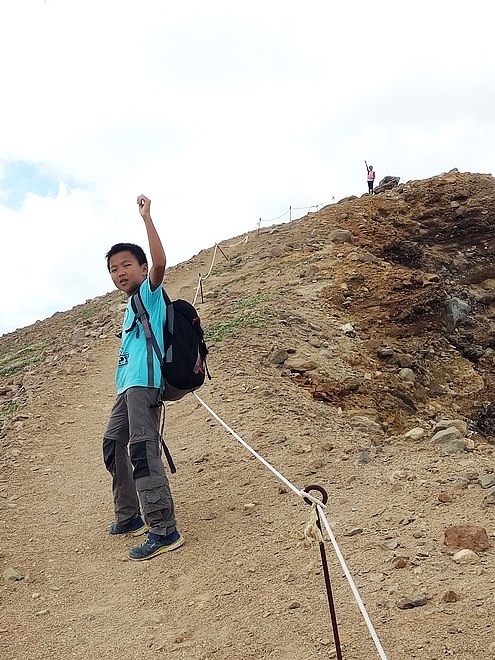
(278, 216)
(198, 288)
(319, 504)
(200, 278)
(354, 590)
(296, 208)
(280, 476)
(313, 206)
(243, 240)
(212, 262)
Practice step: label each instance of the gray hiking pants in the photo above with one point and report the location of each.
(131, 451)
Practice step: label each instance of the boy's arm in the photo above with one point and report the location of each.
(158, 259)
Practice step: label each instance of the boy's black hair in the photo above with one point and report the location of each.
(134, 249)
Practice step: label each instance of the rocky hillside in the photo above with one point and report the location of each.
(356, 348)
(397, 293)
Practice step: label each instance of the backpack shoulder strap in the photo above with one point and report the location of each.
(141, 316)
(170, 319)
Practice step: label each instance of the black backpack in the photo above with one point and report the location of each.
(183, 364)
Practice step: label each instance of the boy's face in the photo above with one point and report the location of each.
(126, 272)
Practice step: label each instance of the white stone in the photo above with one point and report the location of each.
(415, 434)
(466, 557)
(407, 375)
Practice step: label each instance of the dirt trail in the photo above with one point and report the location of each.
(81, 597)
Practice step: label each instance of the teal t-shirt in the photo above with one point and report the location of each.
(132, 369)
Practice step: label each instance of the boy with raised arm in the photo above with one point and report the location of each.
(131, 445)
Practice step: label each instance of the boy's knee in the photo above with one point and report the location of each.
(109, 454)
(139, 459)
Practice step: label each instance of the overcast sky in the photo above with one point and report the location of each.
(222, 113)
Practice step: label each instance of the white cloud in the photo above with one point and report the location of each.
(221, 113)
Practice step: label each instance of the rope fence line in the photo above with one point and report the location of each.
(201, 278)
(317, 504)
(297, 208)
(212, 262)
(277, 218)
(218, 246)
(198, 291)
(280, 476)
(320, 507)
(243, 240)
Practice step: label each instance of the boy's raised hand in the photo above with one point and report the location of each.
(144, 205)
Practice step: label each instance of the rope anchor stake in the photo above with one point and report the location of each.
(313, 530)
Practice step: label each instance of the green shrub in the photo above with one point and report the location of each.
(11, 363)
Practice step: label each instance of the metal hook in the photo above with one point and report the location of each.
(322, 491)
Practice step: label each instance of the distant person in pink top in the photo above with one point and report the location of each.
(371, 177)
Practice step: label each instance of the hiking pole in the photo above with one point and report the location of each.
(324, 564)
